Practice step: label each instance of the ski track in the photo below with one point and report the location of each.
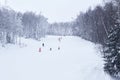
(77, 59)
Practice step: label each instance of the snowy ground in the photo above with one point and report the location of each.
(77, 59)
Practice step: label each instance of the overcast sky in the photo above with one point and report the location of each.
(54, 10)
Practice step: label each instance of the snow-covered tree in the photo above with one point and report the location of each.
(112, 49)
(35, 26)
(10, 25)
(112, 53)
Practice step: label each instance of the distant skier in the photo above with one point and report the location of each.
(59, 39)
(59, 48)
(43, 44)
(50, 49)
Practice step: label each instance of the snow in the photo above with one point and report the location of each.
(77, 59)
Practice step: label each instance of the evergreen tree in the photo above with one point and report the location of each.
(112, 53)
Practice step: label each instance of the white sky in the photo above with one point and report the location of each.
(54, 10)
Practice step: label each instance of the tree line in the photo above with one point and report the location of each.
(14, 25)
(94, 25)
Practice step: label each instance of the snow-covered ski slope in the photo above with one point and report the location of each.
(77, 59)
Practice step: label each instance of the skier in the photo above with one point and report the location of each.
(39, 49)
(59, 39)
(43, 44)
(58, 47)
(50, 49)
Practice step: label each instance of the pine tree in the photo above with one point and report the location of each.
(112, 53)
